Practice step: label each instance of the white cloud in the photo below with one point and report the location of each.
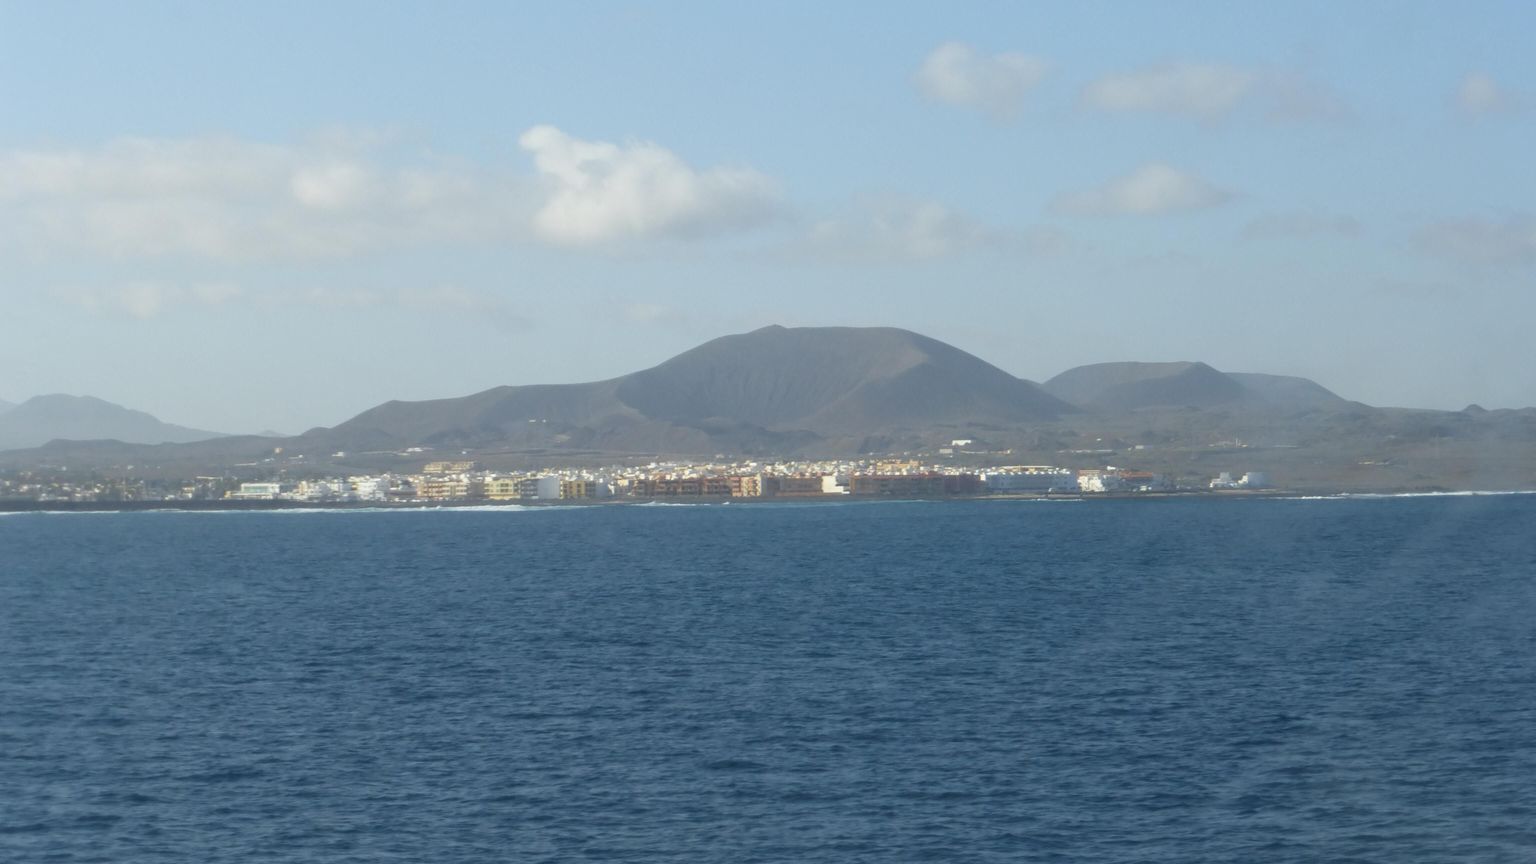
(599, 192)
(956, 74)
(1152, 189)
(1211, 92)
(1480, 95)
(337, 185)
(1201, 90)
(230, 200)
(1482, 241)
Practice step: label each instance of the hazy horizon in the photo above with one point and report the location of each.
(239, 223)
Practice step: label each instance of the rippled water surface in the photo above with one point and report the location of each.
(1113, 681)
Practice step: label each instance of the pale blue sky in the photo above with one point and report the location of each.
(241, 217)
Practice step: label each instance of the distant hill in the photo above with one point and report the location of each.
(1288, 391)
(841, 392)
(85, 418)
(6, 406)
(1118, 387)
(1127, 386)
(833, 380)
(773, 388)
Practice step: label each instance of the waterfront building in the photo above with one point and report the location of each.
(503, 488)
(1096, 480)
(925, 485)
(1031, 479)
(745, 485)
(258, 492)
(799, 486)
(547, 488)
(449, 488)
(577, 489)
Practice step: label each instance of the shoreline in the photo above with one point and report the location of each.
(210, 506)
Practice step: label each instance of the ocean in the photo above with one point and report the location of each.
(984, 681)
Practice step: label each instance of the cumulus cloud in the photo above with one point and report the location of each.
(1479, 95)
(1211, 92)
(1510, 242)
(599, 192)
(956, 74)
(231, 200)
(1152, 189)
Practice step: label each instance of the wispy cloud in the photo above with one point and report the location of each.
(459, 303)
(1213, 91)
(653, 314)
(229, 200)
(232, 201)
(444, 300)
(1479, 95)
(145, 299)
(599, 192)
(1150, 190)
(1483, 242)
(901, 229)
(1305, 225)
(957, 74)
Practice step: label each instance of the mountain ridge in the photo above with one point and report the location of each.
(58, 416)
(843, 392)
(774, 384)
(1119, 387)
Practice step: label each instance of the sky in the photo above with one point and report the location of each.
(245, 217)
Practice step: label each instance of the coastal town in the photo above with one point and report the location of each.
(448, 482)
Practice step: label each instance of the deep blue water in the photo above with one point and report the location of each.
(1110, 681)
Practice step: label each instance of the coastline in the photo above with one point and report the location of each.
(220, 505)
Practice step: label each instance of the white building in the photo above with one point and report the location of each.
(548, 488)
(323, 490)
(1251, 480)
(1100, 481)
(366, 488)
(1031, 479)
(258, 492)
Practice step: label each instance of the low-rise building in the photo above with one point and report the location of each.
(449, 488)
(925, 485)
(258, 492)
(1031, 478)
(503, 488)
(1096, 480)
